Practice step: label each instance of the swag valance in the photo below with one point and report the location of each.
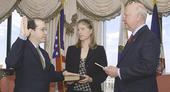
(96, 9)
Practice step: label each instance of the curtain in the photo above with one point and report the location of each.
(45, 9)
(6, 7)
(99, 9)
(52, 28)
(94, 9)
(163, 6)
(70, 9)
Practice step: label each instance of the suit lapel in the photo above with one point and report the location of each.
(89, 54)
(127, 48)
(35, 53)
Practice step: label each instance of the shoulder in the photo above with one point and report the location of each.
(72, 47)
(148, 34)
(99, 48)
(151, 35)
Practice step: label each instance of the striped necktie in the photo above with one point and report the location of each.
(41, 58)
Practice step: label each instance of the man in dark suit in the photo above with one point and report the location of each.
(136, 69)
(31, 63)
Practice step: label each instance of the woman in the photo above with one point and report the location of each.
(81, 58)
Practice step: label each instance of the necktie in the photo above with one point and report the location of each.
(131, 38)
(41, 58)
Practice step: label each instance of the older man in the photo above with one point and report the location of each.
(136, 69)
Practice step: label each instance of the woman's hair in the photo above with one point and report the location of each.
(89, 25)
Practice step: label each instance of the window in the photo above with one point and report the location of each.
(166, 41)
(111, 40)
(16, 19)
(3, 35)
(3, 40)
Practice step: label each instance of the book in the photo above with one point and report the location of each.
(73, 78)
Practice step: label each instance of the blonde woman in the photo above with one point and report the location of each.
(81, 57)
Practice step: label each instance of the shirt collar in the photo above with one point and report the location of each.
(35, 45)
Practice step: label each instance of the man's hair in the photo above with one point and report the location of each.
(31, 24)
(140, 8)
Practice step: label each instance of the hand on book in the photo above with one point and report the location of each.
(69, 76)
(74, 79)
(85, 79)
(66, 73)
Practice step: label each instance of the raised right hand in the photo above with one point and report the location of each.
(24, 30)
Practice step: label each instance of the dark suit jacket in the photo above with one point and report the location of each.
(30, 76)
(138, 63)
(94, 55)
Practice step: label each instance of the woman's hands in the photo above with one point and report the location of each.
(86, 79)
(66, 73)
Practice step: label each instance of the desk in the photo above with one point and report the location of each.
(163, 82)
